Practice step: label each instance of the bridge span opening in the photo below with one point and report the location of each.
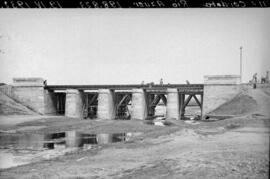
(60, 102)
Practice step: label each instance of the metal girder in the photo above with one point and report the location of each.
(181, 87)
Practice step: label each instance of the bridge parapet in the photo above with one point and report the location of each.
(30, 92)
(222, 79)
(34, 82)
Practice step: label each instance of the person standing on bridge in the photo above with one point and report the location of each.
(254, 80)
(45, 83)
(267, 77)
(161, 81)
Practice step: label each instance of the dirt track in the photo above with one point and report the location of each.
(206, 150)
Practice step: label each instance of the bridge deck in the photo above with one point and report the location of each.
(181, 87)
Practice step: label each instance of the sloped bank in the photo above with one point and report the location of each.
(10, 107)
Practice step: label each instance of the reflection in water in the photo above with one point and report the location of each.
(77, 139)
(22, 149)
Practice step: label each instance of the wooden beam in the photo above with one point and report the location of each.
(122, 100)
(129, 99)
(164, 99)
(181, 104)
(187, 101)
(93, 99)
(202, 106)
(156, 100)
(198, 102)
(86, 101)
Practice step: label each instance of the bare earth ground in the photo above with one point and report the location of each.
(236, 147)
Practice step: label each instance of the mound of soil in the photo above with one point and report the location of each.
(241, 104)
(10, 107)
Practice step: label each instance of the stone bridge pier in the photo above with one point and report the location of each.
(173, 104)
(107, 104)
(139, 104)
(106, 108)
(74, 103)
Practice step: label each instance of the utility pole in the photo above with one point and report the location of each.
(241, 64)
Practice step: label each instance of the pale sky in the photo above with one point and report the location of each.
(125, 46)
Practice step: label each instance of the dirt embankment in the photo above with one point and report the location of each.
(10, 107)
(241, 104)
(232, 148)
(247, 102)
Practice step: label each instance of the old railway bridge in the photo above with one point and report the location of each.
(122, 101)
(111, 101)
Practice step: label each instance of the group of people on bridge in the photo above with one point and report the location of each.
(265, 79)
(152, 83)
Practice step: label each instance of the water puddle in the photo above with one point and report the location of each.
(18, 150)
(192, 122)
(158, 122)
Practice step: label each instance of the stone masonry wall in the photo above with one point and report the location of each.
(31, 93)
(216, 95)
(7, 90)
(219, 89)
(32, 97)
(49, 102)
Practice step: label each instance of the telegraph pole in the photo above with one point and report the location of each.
(241, 64)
